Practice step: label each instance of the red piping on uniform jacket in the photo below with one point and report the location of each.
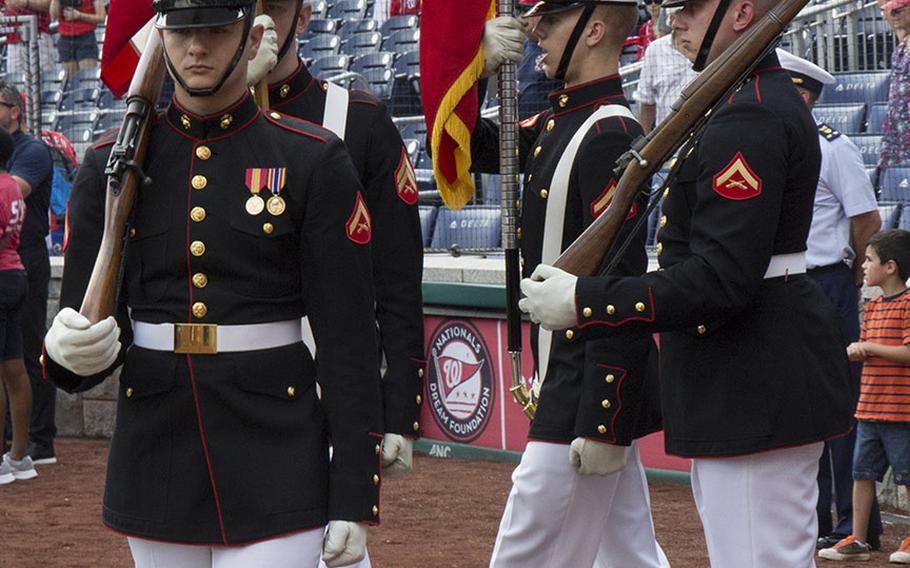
(622, 378)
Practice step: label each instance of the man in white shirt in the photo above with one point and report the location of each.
(664, 73)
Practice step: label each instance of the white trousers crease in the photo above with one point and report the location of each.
(299, 550)
(556, 517)
(758, 511)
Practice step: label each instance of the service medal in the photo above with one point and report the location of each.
(255, 205)
(276, 205)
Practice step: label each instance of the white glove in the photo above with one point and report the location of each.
(81, 347)
(267, 56)
(549, 297)
(345, 543)
(591, 457)
(503, 40)
(397, 454)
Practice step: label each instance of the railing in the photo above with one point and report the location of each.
(27, 28)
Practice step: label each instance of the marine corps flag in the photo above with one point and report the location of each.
(451, 60)
(128, 23)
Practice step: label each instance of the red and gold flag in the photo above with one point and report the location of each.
(451, 60)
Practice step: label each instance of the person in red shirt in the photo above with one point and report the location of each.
(13, 287)
(15, 48)
(77, 45)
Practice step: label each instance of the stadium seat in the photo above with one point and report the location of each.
(17, 78)
(330, 65)
(319, 46)
(380, 81)
(85, 97)
(321, 26)
(362, 44)
(402, 41)
(904, 221)
(108, 120)
(67, 103)
(416, 130)
(320, 9)
(53, 80)
(889, 212)
(380, 60)
(875, 120)
(870, 146)
(348, 10)
(412, 147)
(895, 184)
(396, 23)
(847, 118)
(354, 27)
(872, 172)
(408, 65)
(80, 135)
(862, 87)
(427, 215)
(64, 123)
(474, 227)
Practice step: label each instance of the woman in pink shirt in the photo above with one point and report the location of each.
(13, 286)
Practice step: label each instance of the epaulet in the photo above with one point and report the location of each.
(363, 97)
(827, 132)
(296, 125)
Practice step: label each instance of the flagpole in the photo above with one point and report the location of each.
(508, 172)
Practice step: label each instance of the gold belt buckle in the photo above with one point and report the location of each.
(195, 338)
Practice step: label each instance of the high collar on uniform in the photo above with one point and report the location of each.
(586, 94)
(297, 83)
(223, 123)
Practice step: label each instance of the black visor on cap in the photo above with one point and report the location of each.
(545, 8)
(199, 18)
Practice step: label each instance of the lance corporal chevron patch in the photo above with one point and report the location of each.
(406, 180)
(737, 181)
(359, 227)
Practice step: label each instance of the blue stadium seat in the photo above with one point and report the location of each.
(847, 118)
(354, 27)
(417, 130)
(380, 81)
(396, 23)
(380, 60)
(68, 102)
(64, 123)
(53, 80)
(320, 9)
(320, 46)
(875, 120)
(17, 78)
(474, 227)
(895, 184)
(870, 146)
(408, 65)
(108, 120)
(427, 215)
(872, 172)
(412, 147)
(329, 66)
(85, 97)
(79, 135)
(348, 10)
(402, 41)
(904, 221)
(889, 212)
(91, 75)
(861, 87)
(362, 44)
(321, 26)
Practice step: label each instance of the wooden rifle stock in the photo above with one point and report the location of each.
(585, 256)
(124, 171)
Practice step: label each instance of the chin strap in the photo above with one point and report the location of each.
(208, 91)
(573, 41)
(708, 40)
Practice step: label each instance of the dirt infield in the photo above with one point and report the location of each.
(444, 516)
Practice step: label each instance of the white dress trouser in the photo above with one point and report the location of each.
(556, 517)
(758, 511)
(299, 550)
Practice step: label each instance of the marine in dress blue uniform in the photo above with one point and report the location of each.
(252, 221)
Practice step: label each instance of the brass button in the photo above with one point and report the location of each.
(41, 361)
(199, 310)
(375, 479)
(415, 426)
(129, 392)
(200, 280)
(605, 403)
(587, 312)
(544, 193)
(132, 232)
(570, 334)
(660, 248)
(639, 307)
(197, 248)
(284, 91)
(199, 182)
(701, 330)
(203, 153)
(275, 115)
(518, 233)
(420, 373)
(666, 192)
(530, 177)
(419, 399)
(610, 378)
(324, 85)
(537, 151)
(563, 100)
(226, 121)
(611, 309)
(185, 121)
(291, 392)
(377, 449)
(267, 228)
(375, 511)
(197, 214)
(663, 221)
(551, 124)
(602, 429)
